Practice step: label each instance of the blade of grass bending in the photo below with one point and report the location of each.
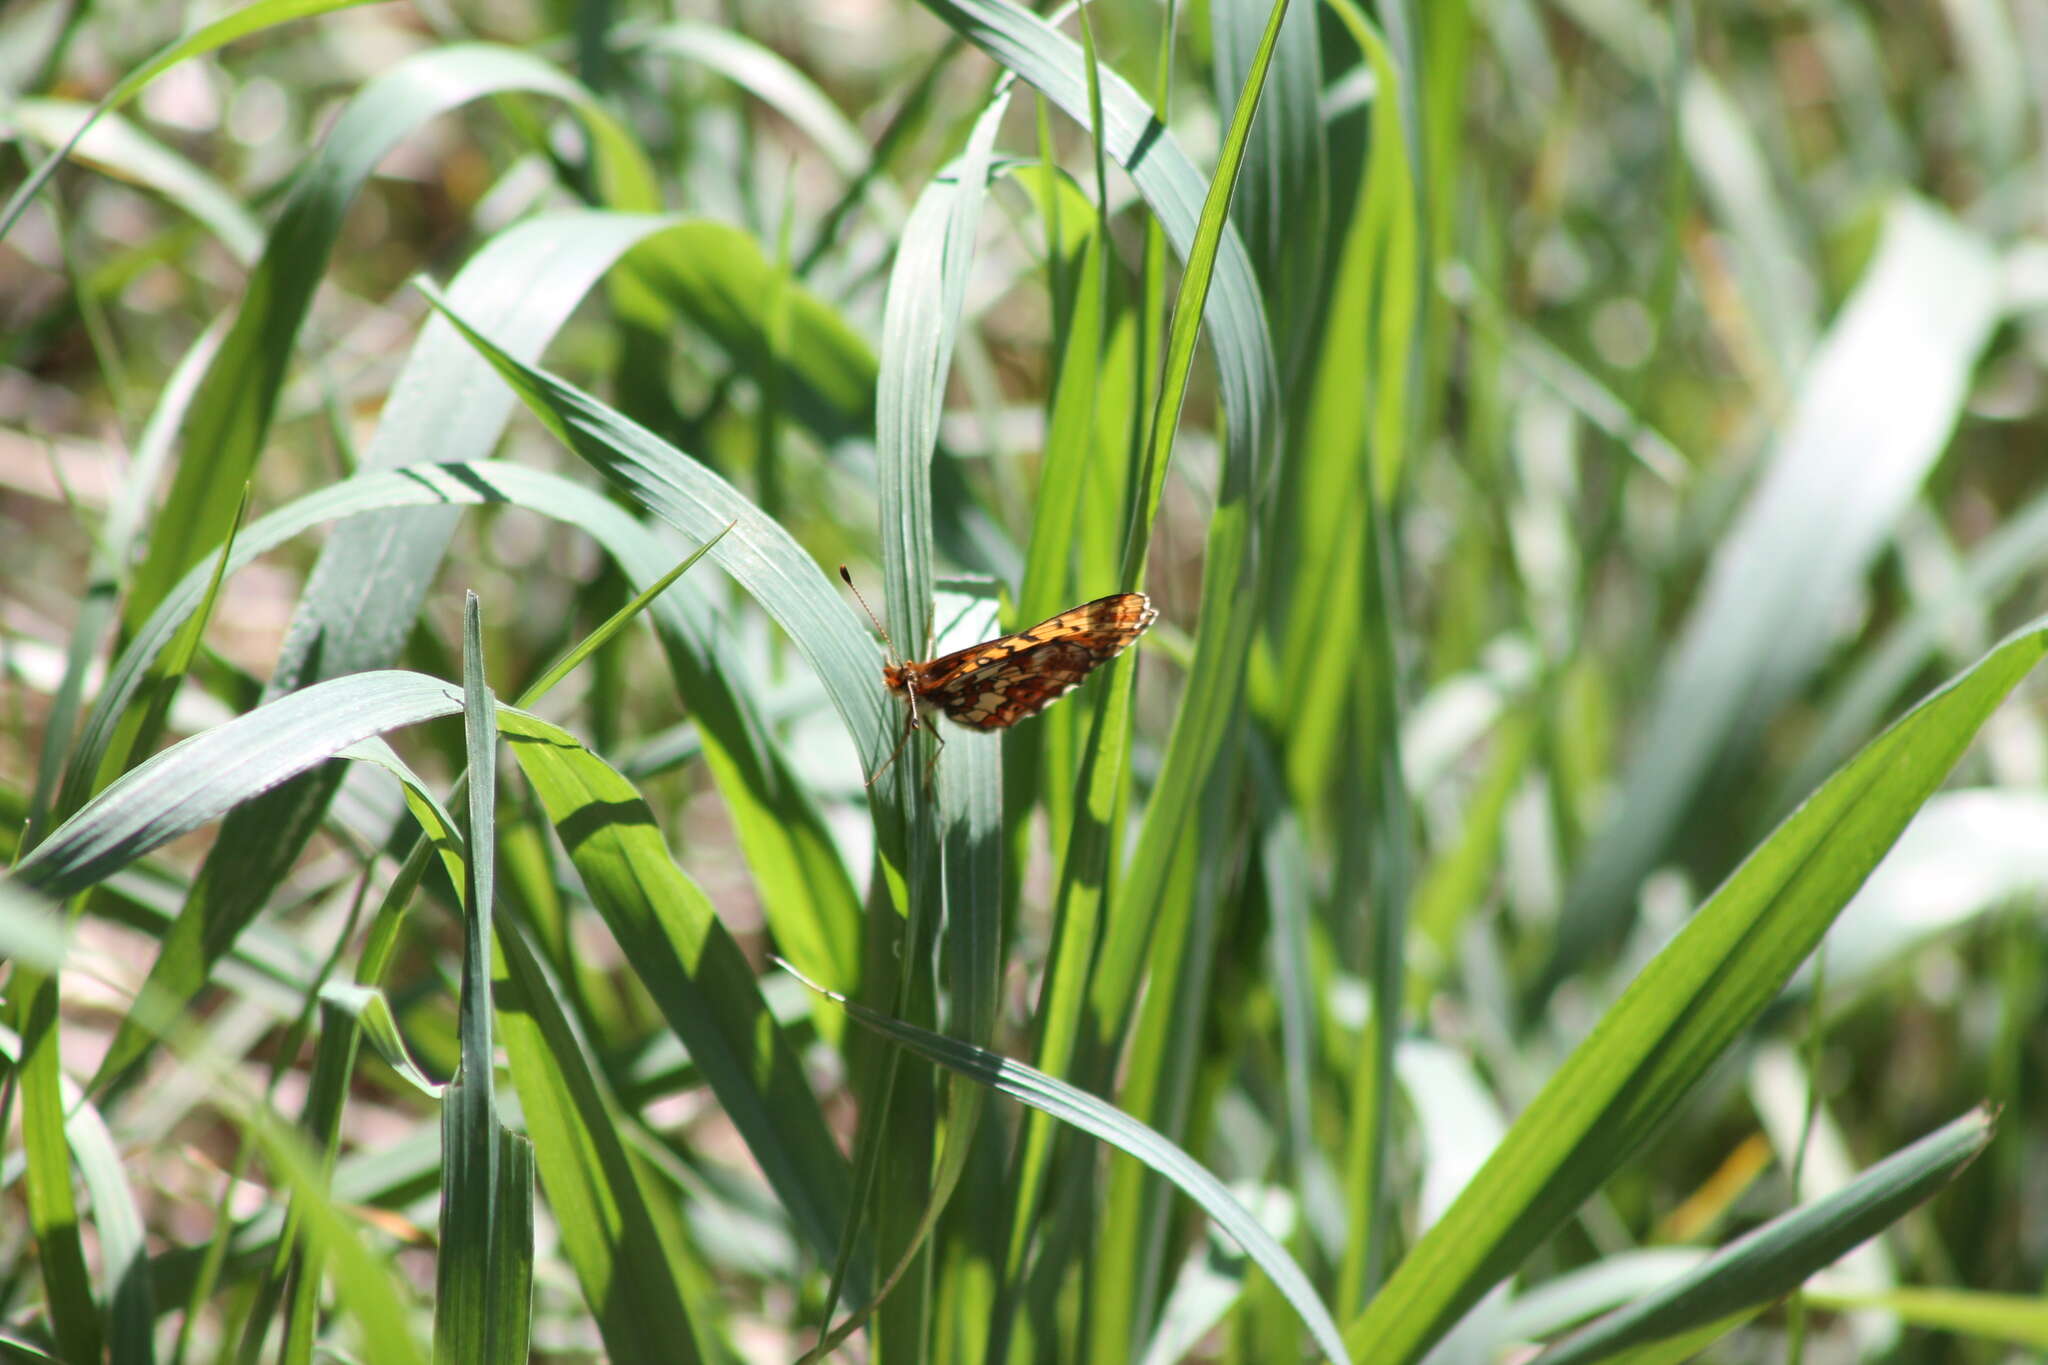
(201, 778)
(222, 31)
(231, 414)
(483, 1275)
(695, 972)
(1684, 1010)
(759, 553)
(1775, 1259)
(1101, 1120)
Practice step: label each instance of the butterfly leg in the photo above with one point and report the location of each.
(909, 728)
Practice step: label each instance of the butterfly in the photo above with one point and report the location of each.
(995, 684)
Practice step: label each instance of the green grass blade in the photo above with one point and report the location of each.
(696, 973)
(1683, 1011)
(616, 622)
(200, 779)
(1775, 1259)
(231, 414)
(483, 1277)
(1872, 419)
(1103, 1121)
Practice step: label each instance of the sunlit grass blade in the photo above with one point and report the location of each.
(1684, 1010)
(696, 973)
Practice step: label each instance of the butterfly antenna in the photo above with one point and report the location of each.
(880, 629)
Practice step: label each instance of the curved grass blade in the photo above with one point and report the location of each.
(760, 555)
(1684, 1010)
(1775, 1259)
(200, 779)
(222, 31)
(1104, 1121)
(696, 973)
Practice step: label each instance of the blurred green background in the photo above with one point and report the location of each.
(1606, 419)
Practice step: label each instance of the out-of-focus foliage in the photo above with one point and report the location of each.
(1571, 842)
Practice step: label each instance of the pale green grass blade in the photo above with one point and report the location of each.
(2015, 1319)
(117, 147)
(760, 555)
(231, 415)
(1873, 417)
(222, 31)
(1683, 1011)
(1775, 1259)
(483, 1276)
(1105, 1122)
(200, 779)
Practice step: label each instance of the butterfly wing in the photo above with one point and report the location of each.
(993, 685)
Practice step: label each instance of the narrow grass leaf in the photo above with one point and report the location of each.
(1775, 1259)
(1683, 1011)
(1101, 1120)
(616, 622)
(200, 779)
(483, 1277)
(696, 973)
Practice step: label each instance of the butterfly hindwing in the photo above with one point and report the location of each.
(1000, 682)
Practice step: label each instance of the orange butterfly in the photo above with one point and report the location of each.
(995, 684)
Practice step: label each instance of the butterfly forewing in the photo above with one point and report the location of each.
(1000, 682)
